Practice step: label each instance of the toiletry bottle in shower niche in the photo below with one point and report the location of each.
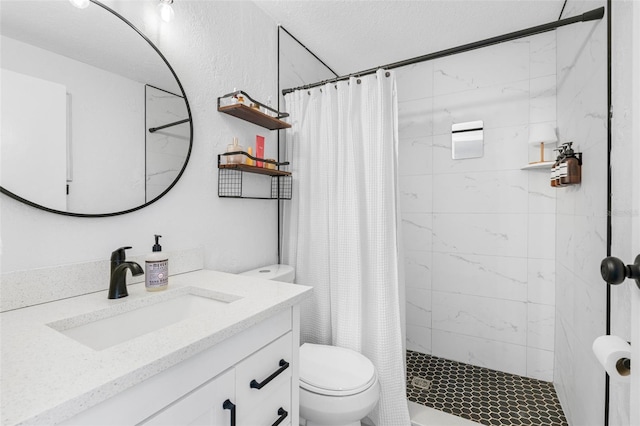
(554, 170)
(561, 170)
(156, 268)
(573, 173)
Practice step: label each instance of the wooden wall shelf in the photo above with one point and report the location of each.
(254, 169)
(252, 115)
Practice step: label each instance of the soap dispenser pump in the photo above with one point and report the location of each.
(156, 268)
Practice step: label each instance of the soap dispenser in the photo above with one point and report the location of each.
(156, 268)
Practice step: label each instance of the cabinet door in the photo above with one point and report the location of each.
(201, 407)
(263, 384)
(274, 408)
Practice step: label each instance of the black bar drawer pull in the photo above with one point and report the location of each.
(283, 366)
(283, 415)
(228, 405)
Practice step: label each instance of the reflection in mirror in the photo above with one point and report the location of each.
(77, 106)
(166, 146)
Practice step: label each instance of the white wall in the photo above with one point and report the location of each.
(582, 217)
(211, 57)
(479, 233)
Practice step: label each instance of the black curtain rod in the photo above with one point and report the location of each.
(592, 15)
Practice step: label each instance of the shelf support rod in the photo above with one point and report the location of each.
(175, 123)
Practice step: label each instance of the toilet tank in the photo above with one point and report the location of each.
(284, 273)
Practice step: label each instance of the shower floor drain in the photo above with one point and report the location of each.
(421, 383)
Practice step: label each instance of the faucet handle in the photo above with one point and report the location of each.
(119, 255)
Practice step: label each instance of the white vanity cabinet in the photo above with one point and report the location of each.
(203, 406)
(263, 385)
(230, 399)
(195, 391)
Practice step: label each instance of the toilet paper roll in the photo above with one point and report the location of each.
(614, 354)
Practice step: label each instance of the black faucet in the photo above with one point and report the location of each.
(119, 266)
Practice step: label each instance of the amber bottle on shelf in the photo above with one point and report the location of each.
(572, 173)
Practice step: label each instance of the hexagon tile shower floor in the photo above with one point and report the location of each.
(485, 396)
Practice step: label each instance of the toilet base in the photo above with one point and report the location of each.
(338, 410)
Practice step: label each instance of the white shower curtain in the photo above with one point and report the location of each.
(342, 233)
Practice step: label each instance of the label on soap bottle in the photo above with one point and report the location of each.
(157, 274)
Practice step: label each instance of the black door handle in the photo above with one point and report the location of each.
(614, 271)
(283, 366)
(228, 405)
(283, 415)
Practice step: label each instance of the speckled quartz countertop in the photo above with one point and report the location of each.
(47, 377)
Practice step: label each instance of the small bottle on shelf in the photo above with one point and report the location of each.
(562, 166)
(234, 147)
(554, 170)
(249, 161)
(259, 149)
(573, 170)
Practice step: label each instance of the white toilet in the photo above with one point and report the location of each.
(338, 386)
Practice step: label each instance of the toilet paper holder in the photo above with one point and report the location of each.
(614, 271)
(624, 366)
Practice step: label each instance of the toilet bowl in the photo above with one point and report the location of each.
(338, 386)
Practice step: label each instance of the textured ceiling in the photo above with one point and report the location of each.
(355, 35)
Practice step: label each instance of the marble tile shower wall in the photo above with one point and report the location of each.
(479, 233)
(582, 219)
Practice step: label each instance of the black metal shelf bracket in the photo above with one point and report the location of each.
(264, 160)
(230, 184)
(279, 114)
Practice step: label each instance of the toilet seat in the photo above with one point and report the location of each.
(334, 371)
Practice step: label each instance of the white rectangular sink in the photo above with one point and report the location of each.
(115, 326)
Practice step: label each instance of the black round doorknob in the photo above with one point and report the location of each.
(613, 270)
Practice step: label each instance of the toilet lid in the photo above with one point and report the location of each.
(330, 370)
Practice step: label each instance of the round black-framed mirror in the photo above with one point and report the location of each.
(147, 97)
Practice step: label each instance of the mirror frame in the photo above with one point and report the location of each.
(186, 161)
